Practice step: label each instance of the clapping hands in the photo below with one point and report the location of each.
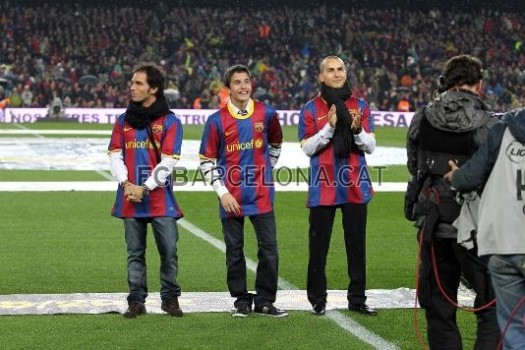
(356, 123)
(355, 126)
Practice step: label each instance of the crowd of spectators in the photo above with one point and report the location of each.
(83, 54)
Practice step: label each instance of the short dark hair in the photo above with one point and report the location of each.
(237, 68)
(330, 57)
(462, 69)
(154, 76)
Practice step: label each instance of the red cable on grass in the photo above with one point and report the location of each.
(436, 273)
(447, 297)
(417, 330)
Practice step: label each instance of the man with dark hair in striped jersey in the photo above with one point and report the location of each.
(240, 145)
(145, 146)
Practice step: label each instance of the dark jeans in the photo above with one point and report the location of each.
(452, 261)
(166, 235)
(354, 227)
(267, 254)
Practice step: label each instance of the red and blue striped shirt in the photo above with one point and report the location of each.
(334, 181)
(240, 146)
(140, 159)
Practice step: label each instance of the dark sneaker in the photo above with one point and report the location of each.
(241, 310)
(135, 309)
(270, 310)
(362, 309)
(319, 309)
(171, 306)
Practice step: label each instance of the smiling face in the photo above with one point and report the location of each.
(141, 91)
(240, 89)
(332, 72)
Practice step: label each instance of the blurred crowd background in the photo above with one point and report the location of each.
(82, 53)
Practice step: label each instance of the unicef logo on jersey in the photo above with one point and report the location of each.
(243, 146)
(516, 152)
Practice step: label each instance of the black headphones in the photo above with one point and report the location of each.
(442, 86)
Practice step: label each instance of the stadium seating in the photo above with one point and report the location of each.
(83, 52)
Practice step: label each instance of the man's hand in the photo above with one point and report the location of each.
(230, 204)
(453, 167)
(133, 192)
(127, 186)
(356, 123)
(332, 116)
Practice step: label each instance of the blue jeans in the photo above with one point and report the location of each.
(166, 236)
(508, 278)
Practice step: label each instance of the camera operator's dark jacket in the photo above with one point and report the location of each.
(451, 127)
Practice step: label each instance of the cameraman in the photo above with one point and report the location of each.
(56, 109)
(452, 126)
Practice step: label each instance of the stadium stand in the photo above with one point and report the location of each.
(82, 52)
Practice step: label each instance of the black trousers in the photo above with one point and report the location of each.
(354, 227)
(452, 261)
(267, 254)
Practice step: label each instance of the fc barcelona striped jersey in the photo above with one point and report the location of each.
(140, 158)
(335, 181)
(239, 143)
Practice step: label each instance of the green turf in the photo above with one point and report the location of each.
(66, 242)
(283, 176)
(208, 331)
(193, 331)
(388, 136)
(385, 136)
(51, 175)
(85, 233)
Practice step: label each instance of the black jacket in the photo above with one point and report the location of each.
(458, 114)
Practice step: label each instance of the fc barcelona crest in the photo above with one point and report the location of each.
(259, 126)
(354, 112)
(157, 128)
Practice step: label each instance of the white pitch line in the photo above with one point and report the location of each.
(105, 174)
(105, 186)
(338, 317)
(26, 131)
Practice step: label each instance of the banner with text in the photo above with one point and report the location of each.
(187, 116)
